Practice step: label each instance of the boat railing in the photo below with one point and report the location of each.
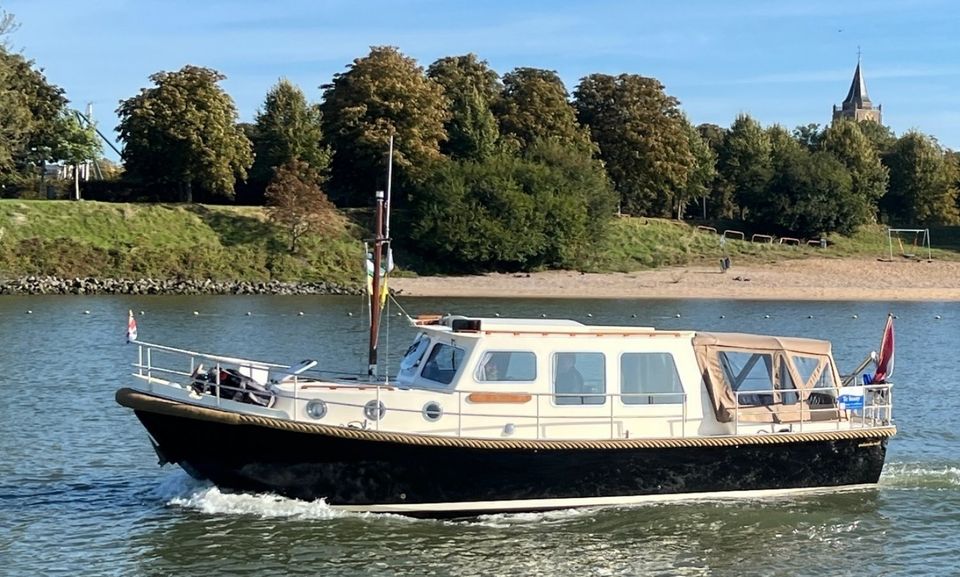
(156, 366)
(872, 408)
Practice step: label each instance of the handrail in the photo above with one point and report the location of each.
(877, 408)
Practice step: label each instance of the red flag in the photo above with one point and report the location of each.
(131, 328)
(885, 360)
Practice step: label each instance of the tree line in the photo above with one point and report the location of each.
(502, 171)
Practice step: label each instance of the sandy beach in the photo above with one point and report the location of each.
(811, 279)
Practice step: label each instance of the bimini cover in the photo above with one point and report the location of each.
(762, 378)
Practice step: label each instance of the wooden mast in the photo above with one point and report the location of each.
(375, 302)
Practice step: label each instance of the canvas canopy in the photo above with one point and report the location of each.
(757, 378)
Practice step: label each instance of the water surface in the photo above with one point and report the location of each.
(80, 491)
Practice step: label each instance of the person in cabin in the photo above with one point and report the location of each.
(568, 377)
(491, 372)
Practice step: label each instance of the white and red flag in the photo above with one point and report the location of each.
(131, 328)
(885, 359)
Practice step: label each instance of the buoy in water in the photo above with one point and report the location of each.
(249, 313)
(29, 312)
(766, 316)
(677, 315)
(633, 316)
(86, 312)
(854, 317)
(349, 314)
(937, 317)
(543, 315)
(195, 313)
(590, 315)
(141, 313)
(300, 314)
(723, 316)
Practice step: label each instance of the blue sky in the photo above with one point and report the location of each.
(782, 62)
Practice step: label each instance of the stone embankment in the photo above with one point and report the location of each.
(46, 285)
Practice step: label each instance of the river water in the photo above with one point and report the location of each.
(81, 494)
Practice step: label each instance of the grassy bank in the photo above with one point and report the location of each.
(639, 243)
(81, 239)
(94, 239)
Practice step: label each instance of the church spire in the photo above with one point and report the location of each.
(857, 96)
(857, 105)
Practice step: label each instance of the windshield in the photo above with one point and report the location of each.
(411, 359)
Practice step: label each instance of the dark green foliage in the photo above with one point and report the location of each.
(643, 139)
(471, 88)
(810, 136)
(923, 187)
(534, 107)
(183, 132)
(744, 163)
(881, 137)
(847, 143)
(512, 213)
(287, 129)
(30, 113)
(384, 93)
(809, 193)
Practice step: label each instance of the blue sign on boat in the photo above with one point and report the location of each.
(850, 402)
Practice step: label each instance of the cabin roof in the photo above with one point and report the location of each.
(762, 342)
(492, 326)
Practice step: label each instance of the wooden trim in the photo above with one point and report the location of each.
(346, 387)
(517, 398)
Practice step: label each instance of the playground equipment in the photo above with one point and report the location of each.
(920, 241)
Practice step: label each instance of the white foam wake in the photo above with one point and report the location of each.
(920, 476)
(181, 490)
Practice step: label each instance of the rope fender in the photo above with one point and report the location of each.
(144, 402)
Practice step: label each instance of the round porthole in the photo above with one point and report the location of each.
(317, 409)
(432, 411)
(374, 410)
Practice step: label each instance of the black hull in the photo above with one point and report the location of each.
(360, 472)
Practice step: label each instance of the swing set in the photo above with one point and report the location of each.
(921, 242)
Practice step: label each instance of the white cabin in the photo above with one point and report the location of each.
(497, 378)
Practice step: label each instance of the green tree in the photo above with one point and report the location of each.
(296, 203)
(471, 87)
(809, 193)
(643, 138)
(881, 138)
(287, 129)
(701, 181)
(744, 162)
(75, 145)
(15, 119)
(183, 132)
(869, 177)
(514, 213)
(720, 202)
(384, 93)
(922, 189)
(30, 108)
(809, 135)
(534, 106)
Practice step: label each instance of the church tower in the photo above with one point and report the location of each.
(857, 105)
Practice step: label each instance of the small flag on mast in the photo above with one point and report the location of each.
(885, 359)
(131, 328)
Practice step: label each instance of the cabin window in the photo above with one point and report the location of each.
(411, 359)
(442, 364)
(579, 379)
(649, 379)
(750, 375)
(497, 366)
(822, 386)
(788, 389)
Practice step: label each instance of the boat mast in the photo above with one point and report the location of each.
(375, 302)
(381, 239)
